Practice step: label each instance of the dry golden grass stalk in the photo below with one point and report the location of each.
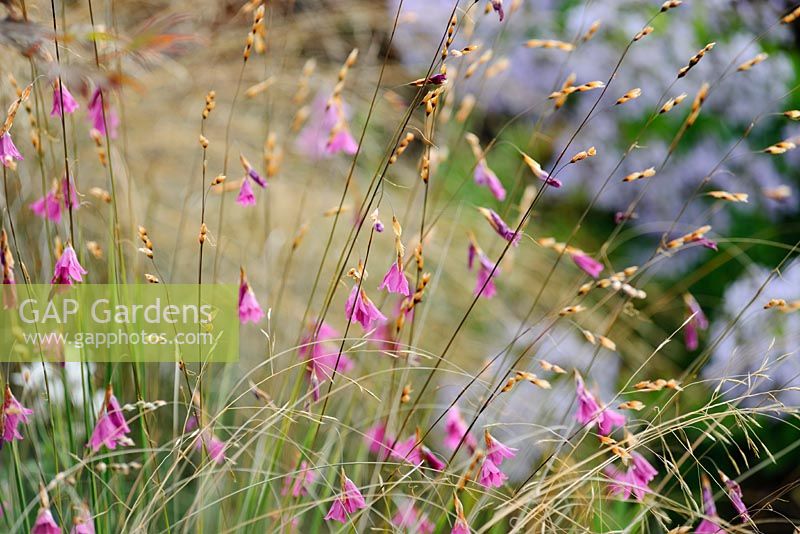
(647, 173)
(749, 64)
(671, 103)
(591, 32)
(730, 197)
(647, 30)
(550, 44)
(695, 59)
(630, 95)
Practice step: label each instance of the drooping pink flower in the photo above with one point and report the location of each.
(496, 451)
(707, 526)
(13, 414)
(708, 243)
(63, 100)
(590, 412)
(111, 428)
(735, 495)
(410, 520)
(45, 523)
(67, 268)
(433, 461)
(361, 309)
(214, 447)
(251, 173)
(395, 280)
(456, 428)
(246, 197)
(313, 138)
(47, 207)
(82, 523)
(500, 226)
(298, 486)
(491, 476)
(497, 5)
(484, 283)
(349, 501)
(100, 119)
(635, 481)
(321, 357)
(460, 526)
(249, 309)
(587, 264)
(486, 177)
(8, 151)
(50, 206)
(697, 322)
(342, 141)
(407, 451)
(377, 439)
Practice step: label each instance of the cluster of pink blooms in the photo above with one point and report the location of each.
(361, 309)
(456, 430)
(68, 269)
(395, 280)
(12, 415)
(409, 519)
(410, 450)
(302, 481)
(347, 502)
(326, 132)
(50, 205)
(591, 413)
(214, 447)
(111, 428)
(710, 524)
(321, 356)
(496, 453)
(249, 309)
(8, 151)
(82, 522)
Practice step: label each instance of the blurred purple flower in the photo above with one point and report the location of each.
(8, 151)
(395, 280)
(67, 268)
(486, 177)
(70, 104)
(249, 309)
(361, 309)
(13, 414)
(587, 264)
(349, 501)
